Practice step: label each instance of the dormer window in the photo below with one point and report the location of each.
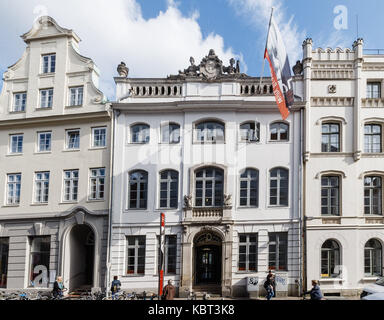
(49, 63)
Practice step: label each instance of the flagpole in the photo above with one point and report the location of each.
(266, 45)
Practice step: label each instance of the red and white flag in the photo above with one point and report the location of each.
(280, 69)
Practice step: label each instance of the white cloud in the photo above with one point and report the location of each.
(337, 39)
(114, 31)
(258, 13)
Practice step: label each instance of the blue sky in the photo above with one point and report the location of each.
(156, 37)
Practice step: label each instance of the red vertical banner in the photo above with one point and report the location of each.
(162, 252)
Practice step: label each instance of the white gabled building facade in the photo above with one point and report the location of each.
(54, 173)
(208, 148)
(344, 167)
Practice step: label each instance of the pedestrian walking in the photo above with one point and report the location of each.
(169, 291)
(272, 281)
(268, 286)
(115, 287)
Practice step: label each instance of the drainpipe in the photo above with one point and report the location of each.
(301, 205)
(111, 164)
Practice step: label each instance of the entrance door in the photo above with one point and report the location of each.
(208, 265)
(82, 256)
(4, 251)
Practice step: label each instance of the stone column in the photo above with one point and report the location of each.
(226, 283)
(186, 265)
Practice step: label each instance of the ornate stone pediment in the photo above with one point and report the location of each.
(211, 68)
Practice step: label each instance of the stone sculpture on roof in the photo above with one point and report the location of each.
(211, 68)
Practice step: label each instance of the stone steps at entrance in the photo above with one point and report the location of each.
(77, 293)
(213, 290)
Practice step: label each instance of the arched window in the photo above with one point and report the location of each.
(249, 188)
(140, 133)
(373, 194)
(170, 133)
(279, 190)
(138, 190)
(373, 258)
(330, 259)
(279, 131)
(209, 131)
(209, 184)
(250, 131)
(372, 138)
(330, 137)
(169, 189)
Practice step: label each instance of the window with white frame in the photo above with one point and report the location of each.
(169, 188)
(250, 131)
(279, 187)
(46, 98)
(170, 133)
(136, 255)
(373, 194)
(330, 137)
(76, 95)
(138, 190)
(16, 143)
(73, 139)
(373, 90)
(71, 185)
(170, 254)
(373, 258)
(13, 188)
(209, 187)
(99, 137)
(248, 252)
(44, 141)
(330, 195)
(330, 259)
(278, 251)
(279, 131)
(97, 184)
(249, 188)
(210, 131)
(140, 133)
(41, 187)
(372, 138)
(49, 63)
(19, 102)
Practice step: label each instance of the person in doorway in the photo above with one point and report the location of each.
(58, 288)
(268, 285)
(315, 292)
(169, 291)
(115, 287)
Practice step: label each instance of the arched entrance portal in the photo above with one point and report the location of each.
(208, 259)
(82, 257)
